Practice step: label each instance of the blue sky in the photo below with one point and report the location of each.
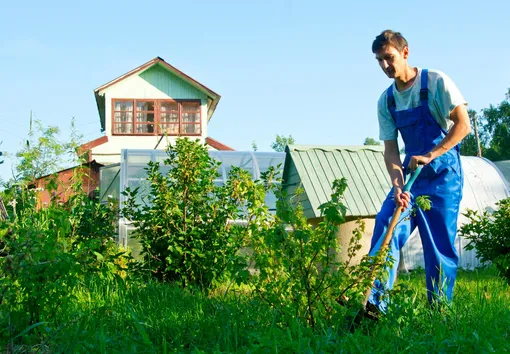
(303, 68)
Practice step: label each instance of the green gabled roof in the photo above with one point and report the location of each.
(318, 166)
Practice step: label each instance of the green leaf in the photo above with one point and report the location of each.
(28, 329)
(99, 256)
(423, 202)
(141, 330)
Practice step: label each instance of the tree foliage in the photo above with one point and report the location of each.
(469, 146)
(371, 141)
(494, 132)
(281, 142)
(44, 152)
(497, 128)
(278, 145)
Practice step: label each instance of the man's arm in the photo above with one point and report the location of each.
(459, 130)
(394, 167)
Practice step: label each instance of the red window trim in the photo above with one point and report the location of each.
(157, 120)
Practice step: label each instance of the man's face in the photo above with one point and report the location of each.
(391, 61)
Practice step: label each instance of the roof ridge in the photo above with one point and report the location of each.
(329, 148)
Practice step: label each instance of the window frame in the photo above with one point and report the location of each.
(123, 123)
(183, 123)
(136, 123)
(157, 116)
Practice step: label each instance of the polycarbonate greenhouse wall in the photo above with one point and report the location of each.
(109, 182)
(131, 173)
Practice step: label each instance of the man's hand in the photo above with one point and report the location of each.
(402, 199)
(460, 128)
(419, 160)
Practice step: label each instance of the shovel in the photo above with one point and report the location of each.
(387, 238)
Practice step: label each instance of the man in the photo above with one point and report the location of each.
(429, 112)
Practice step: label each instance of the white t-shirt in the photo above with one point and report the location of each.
(443, 97)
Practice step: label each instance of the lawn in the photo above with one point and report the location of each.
(108, 317)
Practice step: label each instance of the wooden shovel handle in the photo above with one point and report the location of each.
(391, 227)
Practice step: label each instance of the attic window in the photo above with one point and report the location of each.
(156, 117)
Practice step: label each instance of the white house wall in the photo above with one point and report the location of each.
(110, 152)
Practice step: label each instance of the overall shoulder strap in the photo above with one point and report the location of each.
(424, 99)
(390, 101)
(424, 93)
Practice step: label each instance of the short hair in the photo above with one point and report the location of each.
(389, 37)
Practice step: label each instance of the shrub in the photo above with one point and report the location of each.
(184, 221)
(48, 251)
(489, 234)
(298, 269)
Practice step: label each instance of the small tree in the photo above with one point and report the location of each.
(371, 141)
(44, 153)
(494, 131)
(184, 224)
(278, 145)
(281, 142)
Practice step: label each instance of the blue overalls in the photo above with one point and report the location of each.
(442, 180)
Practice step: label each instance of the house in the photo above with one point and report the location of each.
(148, 107)
(314, 168)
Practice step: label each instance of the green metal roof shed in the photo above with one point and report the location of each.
(316, 167)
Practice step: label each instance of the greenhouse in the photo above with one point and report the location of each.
(130, 172)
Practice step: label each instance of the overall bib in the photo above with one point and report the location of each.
(442, 180)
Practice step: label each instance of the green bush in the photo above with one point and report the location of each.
(184, 221)
(489, 235)
(298, 271)
(49, 250)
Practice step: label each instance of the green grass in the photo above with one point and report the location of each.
(161, 318)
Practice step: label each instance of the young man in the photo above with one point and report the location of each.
(429, 112)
